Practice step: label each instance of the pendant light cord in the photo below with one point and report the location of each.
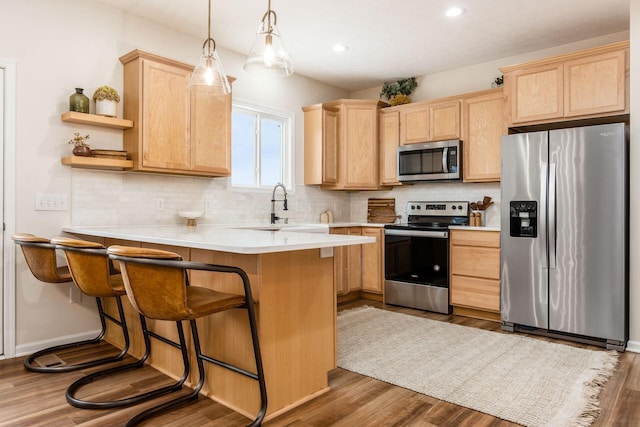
(209, 41)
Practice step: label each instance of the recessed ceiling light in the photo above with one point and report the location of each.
(455, 11)
(340, 47)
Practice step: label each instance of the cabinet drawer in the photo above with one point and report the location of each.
(489, 239)
(477, 262)
(477, 293)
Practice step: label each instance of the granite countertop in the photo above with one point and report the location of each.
(242, 238)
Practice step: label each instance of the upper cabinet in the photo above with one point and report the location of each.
(174, 131)
(483, 125)
(341, 144)
(585, 84)
(389, 141)
(429, 121)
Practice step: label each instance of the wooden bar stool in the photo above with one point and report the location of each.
(92, 270)
(158, 287)
(40, 255)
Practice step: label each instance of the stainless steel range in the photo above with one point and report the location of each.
(417, 255)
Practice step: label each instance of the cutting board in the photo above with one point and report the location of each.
(382, 211)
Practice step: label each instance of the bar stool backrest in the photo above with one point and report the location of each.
(40, 255)
(89, 266)
(155, 288)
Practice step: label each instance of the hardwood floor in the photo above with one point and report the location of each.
(32, 399)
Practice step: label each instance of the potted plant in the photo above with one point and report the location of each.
(106, 99)
(398, 92)
(81, 148)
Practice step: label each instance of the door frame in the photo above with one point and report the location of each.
(8, 204)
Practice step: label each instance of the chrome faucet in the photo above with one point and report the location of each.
(274, 218)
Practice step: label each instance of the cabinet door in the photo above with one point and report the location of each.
(389, 142)
(340, 276)
(165, 116)
(444, 121)
(536, 93)
(595, 84)
(330, 147)
(359, 146)
(414, 123)
(211, 134)
(372, 261)
(354, 262)
(483, 126)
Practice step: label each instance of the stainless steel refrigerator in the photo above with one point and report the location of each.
(564, 239)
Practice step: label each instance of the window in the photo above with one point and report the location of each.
(261, 153)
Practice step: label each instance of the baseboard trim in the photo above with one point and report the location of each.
(24, 349)
(633, 346)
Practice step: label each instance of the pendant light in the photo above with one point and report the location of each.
(209, 77)
(268, 55)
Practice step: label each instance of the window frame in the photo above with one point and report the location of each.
(288, 146)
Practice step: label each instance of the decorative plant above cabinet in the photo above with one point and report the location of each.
(398, 92)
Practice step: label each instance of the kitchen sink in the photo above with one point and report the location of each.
(300, 228)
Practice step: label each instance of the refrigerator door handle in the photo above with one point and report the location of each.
(552, 215)
(445, 165)
(542, 215)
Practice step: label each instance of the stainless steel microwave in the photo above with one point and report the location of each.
(430, 161)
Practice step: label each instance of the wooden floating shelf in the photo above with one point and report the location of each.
(97, 163)
(95, 120)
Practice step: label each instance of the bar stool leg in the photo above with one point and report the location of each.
(142, 397)
(30, 364)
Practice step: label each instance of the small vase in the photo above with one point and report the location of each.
(106, 107)
(82, 150)
(79, 102)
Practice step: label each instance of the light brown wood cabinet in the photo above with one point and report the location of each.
(483, 125)
(389, 141)
(373, 261)
(347, 267)
(585, 84)
(353, 156)
(425, 121)
(174, 131)
(475, 273)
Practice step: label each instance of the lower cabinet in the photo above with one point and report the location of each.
(347, 267)
(359, 269)
(373, 261)
(475, 273)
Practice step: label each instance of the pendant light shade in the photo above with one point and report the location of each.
(268, 55)
(209, 76)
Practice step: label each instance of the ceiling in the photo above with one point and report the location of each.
(389, 40)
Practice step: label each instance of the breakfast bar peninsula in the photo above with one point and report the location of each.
(291, 274)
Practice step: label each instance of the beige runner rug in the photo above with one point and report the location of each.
(513, 377)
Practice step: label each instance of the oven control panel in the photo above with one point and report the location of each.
(438, 208)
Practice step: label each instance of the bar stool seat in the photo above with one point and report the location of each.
(40, 255)
(158, 287)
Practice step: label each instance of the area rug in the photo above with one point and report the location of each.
(516, 378)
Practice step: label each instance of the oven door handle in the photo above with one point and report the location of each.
(417, 233)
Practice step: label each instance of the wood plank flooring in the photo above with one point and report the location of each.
(32, 399)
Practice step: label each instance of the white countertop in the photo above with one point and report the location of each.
(467, 227)
(243, 238)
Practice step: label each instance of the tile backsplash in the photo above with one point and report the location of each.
(117, 198)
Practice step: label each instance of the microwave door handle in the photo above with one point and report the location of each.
(445, 165)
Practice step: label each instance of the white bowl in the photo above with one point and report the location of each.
(190, 214)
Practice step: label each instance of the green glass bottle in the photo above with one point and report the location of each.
(79, 102)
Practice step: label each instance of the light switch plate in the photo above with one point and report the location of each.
(51, 202)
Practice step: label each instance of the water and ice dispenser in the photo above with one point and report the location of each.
(524, 219)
